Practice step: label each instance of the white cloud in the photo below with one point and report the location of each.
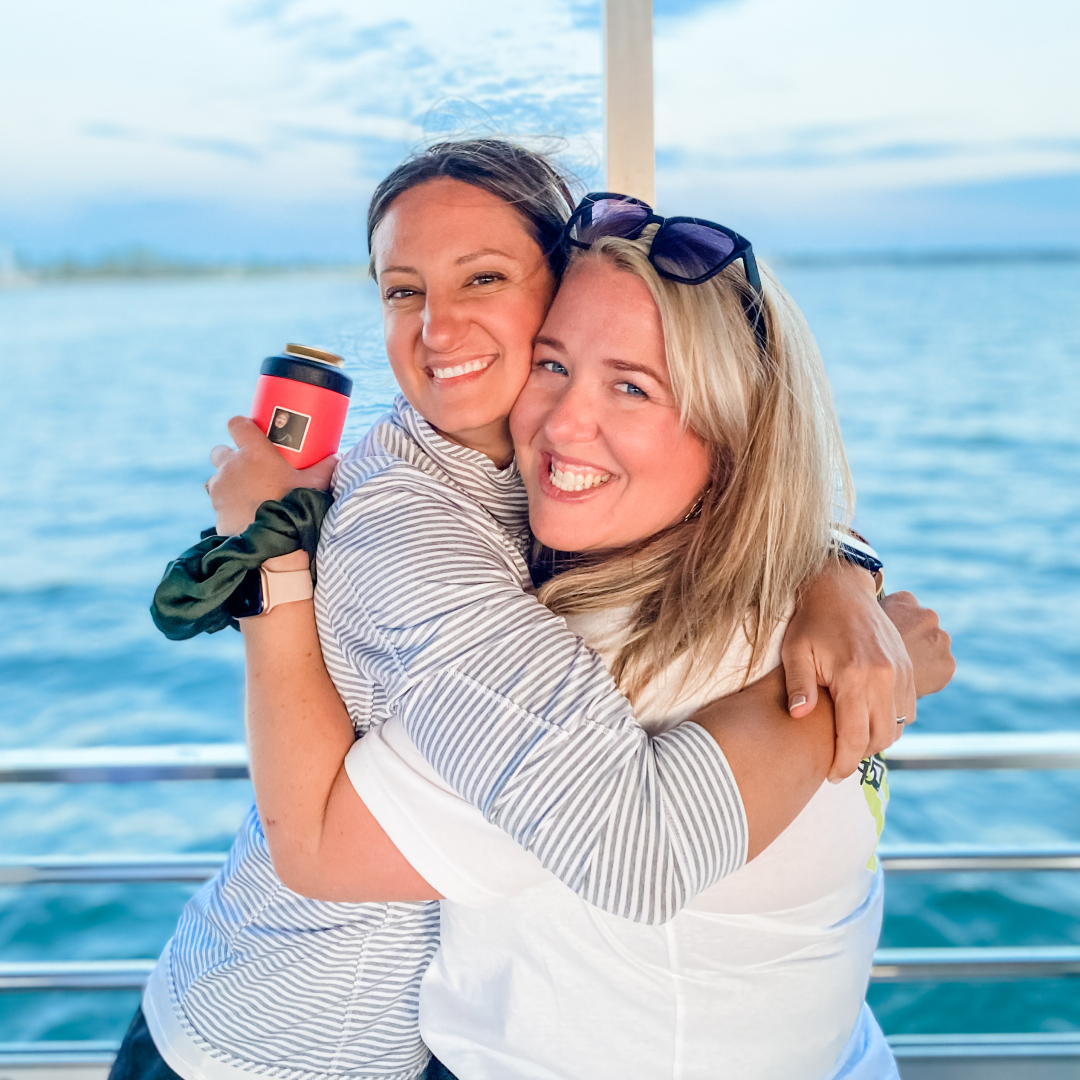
(283, 103)
(304, 99)
(843, 93)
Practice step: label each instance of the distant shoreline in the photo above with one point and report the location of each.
(954, 257)
(14, 273)
(68, 272)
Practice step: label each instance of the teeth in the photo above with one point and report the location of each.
(576, 478)
(461, 369)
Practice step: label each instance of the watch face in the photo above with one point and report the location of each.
(247, 598)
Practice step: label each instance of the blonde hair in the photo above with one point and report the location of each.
(779, 480)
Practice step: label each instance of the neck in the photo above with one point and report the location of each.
(491, 440)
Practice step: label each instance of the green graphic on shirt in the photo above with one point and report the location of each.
(875, 789)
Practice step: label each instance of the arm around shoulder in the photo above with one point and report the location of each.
(778, 762)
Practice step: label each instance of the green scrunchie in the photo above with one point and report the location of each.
(190, 599)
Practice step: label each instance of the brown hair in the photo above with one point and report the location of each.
(527, 180)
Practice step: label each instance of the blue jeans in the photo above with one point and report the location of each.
(436, 1070)
(138, 1057)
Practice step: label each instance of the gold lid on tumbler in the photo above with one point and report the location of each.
(308, 353)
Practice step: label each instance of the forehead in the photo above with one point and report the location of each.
(442, 220)
(602, 308)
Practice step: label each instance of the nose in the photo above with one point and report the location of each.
(445, 325)
(574, 415)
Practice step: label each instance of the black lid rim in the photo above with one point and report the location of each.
(313, 372)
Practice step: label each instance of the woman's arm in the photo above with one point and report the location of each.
(322, 839)
(326, 844)
(779, 764)
(841, 638)
(554, 758)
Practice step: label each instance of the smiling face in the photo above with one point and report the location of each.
(604, 458)
(464, 289)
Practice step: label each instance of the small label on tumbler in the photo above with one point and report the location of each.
(288, 429)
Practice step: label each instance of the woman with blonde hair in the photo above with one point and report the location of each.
(680, 437)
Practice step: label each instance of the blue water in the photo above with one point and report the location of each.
(958, 388)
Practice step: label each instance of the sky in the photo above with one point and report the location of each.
(256, 129)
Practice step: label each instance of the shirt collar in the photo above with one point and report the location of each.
(499, 491)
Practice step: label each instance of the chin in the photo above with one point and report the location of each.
(563, 536)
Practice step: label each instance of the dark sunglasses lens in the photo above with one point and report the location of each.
(608, 217)
(687, 250)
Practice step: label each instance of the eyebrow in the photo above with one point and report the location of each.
(550, 342)
(479, 255)
(627, 365)
(471, 257)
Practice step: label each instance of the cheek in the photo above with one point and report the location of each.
(669, 470)
(526, 417)
(399, 341)
(691, 466)
(520, 321)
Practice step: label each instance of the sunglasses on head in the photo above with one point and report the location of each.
(684, 249)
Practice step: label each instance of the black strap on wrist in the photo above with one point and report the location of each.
(859, 558)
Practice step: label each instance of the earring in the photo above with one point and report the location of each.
(695, 510)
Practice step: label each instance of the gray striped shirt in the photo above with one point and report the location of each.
(423, 613)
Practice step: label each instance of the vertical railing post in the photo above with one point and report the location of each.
(628, 98)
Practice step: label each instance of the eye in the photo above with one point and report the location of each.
(399, 292)
(630, 389)
(553, 366)
(486, 277)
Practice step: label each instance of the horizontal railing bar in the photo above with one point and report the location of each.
(76, 975)
(948, 858)
(890, 965)
(102, 869)
(986, 1048)
(961, 964)
(72, 1053)
(125, 764)
(1049, 1044)
(987, 750)
(114, 869)
(228, 761)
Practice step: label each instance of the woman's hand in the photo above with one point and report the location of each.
(929, 647)
(840, 637)
(253, 473)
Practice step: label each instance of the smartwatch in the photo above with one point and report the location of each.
(262, 590)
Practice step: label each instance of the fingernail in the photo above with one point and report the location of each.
(796, 701)
(836, 780)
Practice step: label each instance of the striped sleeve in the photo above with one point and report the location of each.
(512, 709)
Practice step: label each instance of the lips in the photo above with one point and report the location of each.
(559, 477)
(457, 370)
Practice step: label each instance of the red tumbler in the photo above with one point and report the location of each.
(300, 403)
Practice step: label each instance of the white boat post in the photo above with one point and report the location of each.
(629, 153)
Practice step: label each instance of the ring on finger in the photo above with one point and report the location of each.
(901, 719)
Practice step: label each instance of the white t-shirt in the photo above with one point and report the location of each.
(762, 975)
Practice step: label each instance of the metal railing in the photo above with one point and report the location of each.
(228, 761)
(1028, 1053)
(987, 750)
(950, 964)
(197, 867)
(224, 761)
(124, 764)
